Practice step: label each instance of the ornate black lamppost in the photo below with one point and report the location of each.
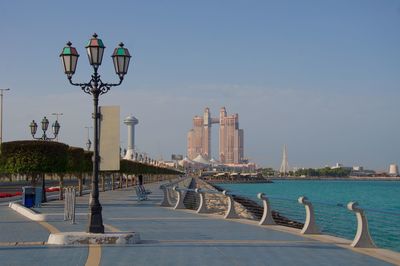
(95, 87)
(45, 125)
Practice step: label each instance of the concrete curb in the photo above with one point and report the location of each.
(83, 238)
(28, 213)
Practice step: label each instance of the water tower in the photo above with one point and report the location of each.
(130, 121)
(393, 170)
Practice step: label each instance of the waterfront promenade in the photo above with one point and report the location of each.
(169, 237)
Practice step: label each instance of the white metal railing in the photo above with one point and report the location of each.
(312, 219)
(69, 204)
(363, 238)
(230, 212)
(168, 195)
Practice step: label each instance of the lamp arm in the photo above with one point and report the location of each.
(105, 87)
(47, 138)
(96, 81)
(33, 136)
(86, 87)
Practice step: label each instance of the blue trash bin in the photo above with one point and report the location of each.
(38, 196)
(28, 196)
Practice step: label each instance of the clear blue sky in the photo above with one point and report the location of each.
(322, 77)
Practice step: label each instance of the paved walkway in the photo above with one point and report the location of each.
(169, 237)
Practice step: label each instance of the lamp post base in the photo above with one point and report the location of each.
(95, 220)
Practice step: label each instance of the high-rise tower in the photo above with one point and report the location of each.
(230, 137)
(207, 134)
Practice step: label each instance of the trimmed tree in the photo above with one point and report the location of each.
(34, 158)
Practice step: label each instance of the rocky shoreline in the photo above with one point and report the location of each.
(244, 207)
(240, 181)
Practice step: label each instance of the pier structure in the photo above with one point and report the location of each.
(131, 122)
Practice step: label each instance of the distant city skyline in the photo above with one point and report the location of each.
(321, 77)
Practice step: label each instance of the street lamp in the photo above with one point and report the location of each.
(1, 116)
(88, 143)
(45, 125)
(95, 87)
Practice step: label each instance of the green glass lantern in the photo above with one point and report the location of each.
(121, 58)
(95, 49)
(69, 57)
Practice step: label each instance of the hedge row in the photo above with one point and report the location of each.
(31, 157)
(131, 167)
(34, 157)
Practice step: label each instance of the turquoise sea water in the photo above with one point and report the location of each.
(379, 199)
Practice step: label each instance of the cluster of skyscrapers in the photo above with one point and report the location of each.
(230, 137)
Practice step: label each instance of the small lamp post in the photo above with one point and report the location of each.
(95, 87)
(45, 125)
(1, 115)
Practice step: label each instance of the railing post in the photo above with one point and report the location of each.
(65, 203)
(310, 227)
(73, 201)
(363, 238)
(202, 206)
(61, 184)
(266, 219)
(80, 185)
(166, 202)
(230, 213)
(179, 204)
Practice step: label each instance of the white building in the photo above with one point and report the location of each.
(393, 170)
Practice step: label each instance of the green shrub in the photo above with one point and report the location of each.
(87, 161)
(76, 160)
(36, 157)
(131, 167)
(30, 157)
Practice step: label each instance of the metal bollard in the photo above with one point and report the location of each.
(73, 192)
(65, 204)
(310, 227)
(69, 204)
(362, 238)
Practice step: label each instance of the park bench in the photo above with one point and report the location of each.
(142, 193)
